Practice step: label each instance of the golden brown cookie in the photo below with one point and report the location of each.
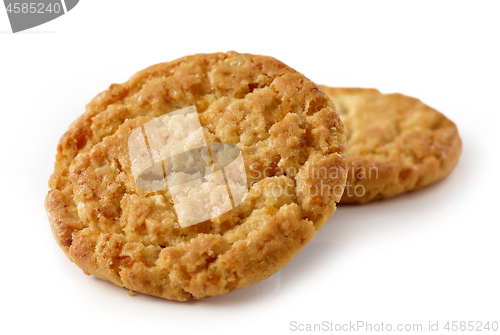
(286, 129)
(395, 143)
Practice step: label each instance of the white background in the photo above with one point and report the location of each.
(428, 256)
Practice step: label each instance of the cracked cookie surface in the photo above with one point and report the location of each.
(396, 143)
(285, 127)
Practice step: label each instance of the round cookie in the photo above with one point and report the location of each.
(286, 129)
(395, 143)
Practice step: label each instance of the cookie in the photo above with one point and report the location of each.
(396, 143)
(117, 219)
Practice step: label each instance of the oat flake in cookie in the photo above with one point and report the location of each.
(294, 153)
(396, 143)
